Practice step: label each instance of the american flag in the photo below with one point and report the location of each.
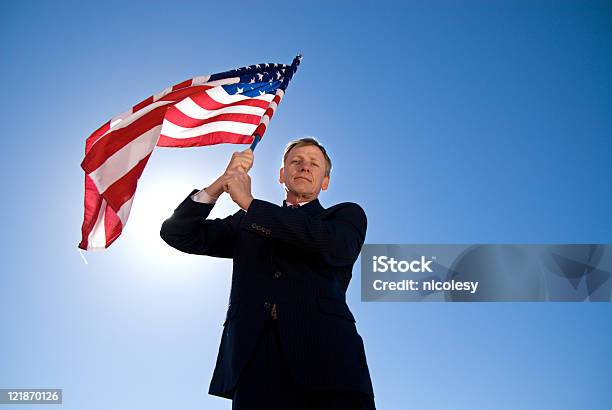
(231, 107)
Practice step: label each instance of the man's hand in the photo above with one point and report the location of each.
(236, 181)
(240, 162)
(238, 185)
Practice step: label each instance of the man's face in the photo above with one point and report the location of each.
(304, 172)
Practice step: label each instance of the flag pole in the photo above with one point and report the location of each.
(256, 139)
(294, 66)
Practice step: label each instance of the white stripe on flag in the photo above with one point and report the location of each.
(200, 80)
(221, 96)
(124, 211)
(193, 110)
(174, 131)
(97, 235)
(232, 80)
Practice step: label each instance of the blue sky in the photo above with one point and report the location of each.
(449, 122)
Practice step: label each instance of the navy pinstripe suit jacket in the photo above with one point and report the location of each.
(302, 260)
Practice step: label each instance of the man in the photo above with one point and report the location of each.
(289, 340)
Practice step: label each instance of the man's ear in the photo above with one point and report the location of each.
(281, 176)
(325, 183)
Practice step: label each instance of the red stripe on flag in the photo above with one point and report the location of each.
(119, 138)
(184, 84)
(208, 103)
(96, 135)
(112, 226)
(123, 189)
(179, 91)
(142, 104)
(217, 137)
(177, 117)
(184, 93)
(93, 200)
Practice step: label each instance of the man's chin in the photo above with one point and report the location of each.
(300, 185)
(305, 193)
(300, 191)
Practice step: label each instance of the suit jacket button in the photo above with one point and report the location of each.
(277, 274)
(267, 305)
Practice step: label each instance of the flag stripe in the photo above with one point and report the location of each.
(217, 100)
(128, 117)
(174, 131)
(118, 139)
(97, 236)
(123, 188)
(96, 135)
(143, 104)
(183, 84)
(112, 225)
(177, 117)
(195, 111)
(184, 93)
(206, 103)
(213, 138)
(93, 202)
(124, 212)
(122, 161)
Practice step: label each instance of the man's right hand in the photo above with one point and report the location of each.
(241, 161)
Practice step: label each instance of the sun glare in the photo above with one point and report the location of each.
(154, 202)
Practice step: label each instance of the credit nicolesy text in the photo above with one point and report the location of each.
(386, 264)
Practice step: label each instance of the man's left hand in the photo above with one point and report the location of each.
(238, 185)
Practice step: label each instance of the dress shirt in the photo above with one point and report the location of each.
(290, 205)
(204, 197)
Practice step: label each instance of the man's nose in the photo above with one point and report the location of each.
(305, 167)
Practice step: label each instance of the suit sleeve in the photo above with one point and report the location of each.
(338, 239)
(189, 231)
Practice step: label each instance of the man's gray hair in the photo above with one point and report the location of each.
(303, 142)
